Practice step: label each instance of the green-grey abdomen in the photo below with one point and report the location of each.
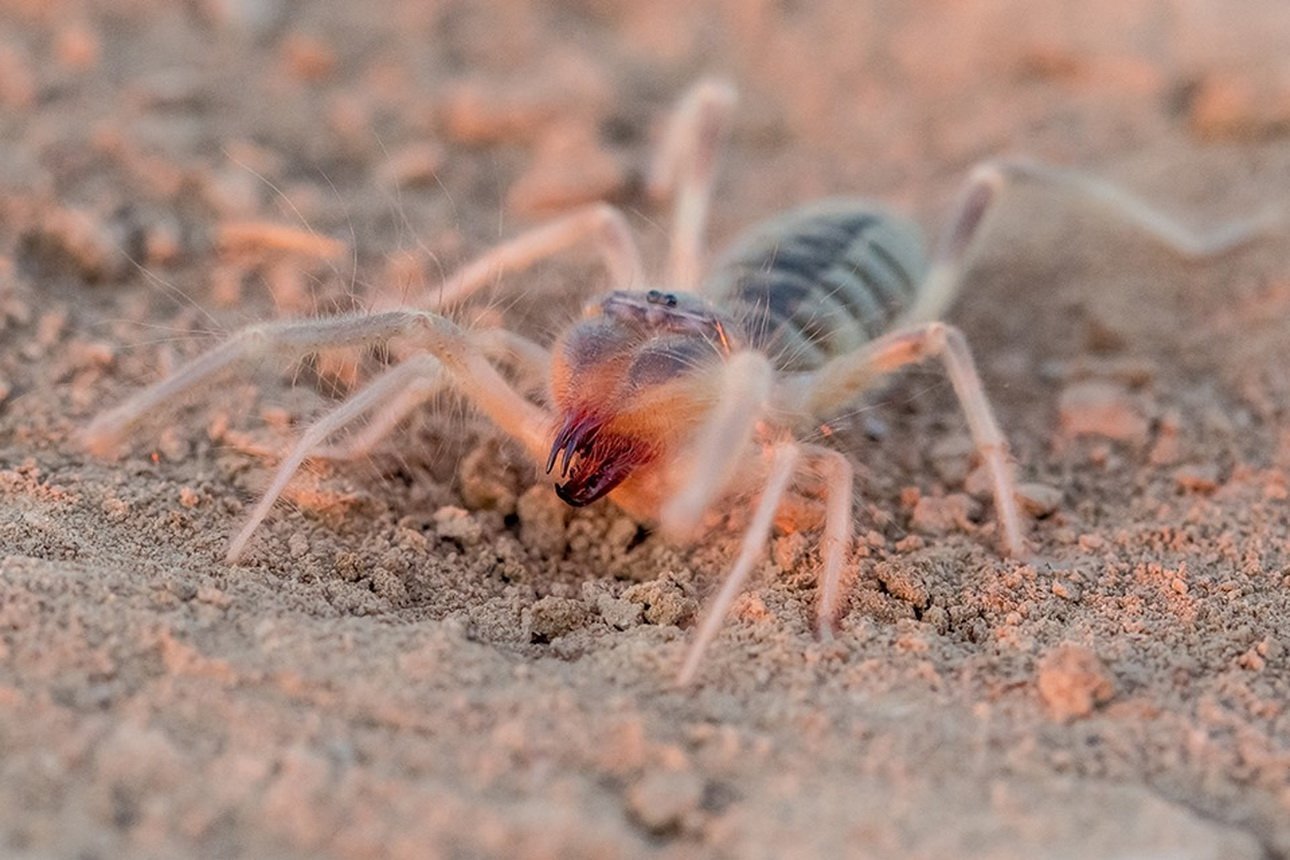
(820, 280)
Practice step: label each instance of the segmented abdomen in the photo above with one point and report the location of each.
(819, 281)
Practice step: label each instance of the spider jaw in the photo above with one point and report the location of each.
(593, 460)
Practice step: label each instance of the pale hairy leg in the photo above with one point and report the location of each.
(420, 377)
(720, 443)
(288, 341)
(1117, 208)
(821, 392)
(685, 167)
(784, 459)
(600, 225)
(530, 361)
(384, 420)
(465, 361)
(839, 478)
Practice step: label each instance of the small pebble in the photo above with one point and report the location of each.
(902, 582)
(951, 458)
(788, 550)
(1072, 681)
(618, 612)
(76, 47)
(553, 617)
(456, 524)
(661, 800)
(1038, 500)
(307, 57)
(212, 596)
(1067, 590)
(1099, 408)
(1252, 660)
(940, 515)
(485, 480)
(1240, 106)
(298, 545)
(663, 601)
(1197, 479)
(542, 521)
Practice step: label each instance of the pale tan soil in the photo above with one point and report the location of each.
(388, 676)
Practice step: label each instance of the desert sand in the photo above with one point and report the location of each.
(426, 654)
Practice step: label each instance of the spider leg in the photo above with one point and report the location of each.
(685, 167)
(783, 463)
(720, 443)
(838, 477)
(818, 393)
(290, 340)
(991, 179)
(600, 224)
(530, 360)
(462, 358)
(415, 380)
(384, 419)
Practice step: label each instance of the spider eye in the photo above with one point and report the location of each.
(657, 297)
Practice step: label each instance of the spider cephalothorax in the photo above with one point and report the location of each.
(628, 380)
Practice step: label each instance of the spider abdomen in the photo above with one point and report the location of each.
(820, 280)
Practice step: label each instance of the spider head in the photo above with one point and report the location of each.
(627, 380)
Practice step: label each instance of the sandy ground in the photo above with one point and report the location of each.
(427, 655)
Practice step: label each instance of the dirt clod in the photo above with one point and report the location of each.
(940, 515)
(619, 612)
(663, 601)
(663, 800)
(1099, 408)
(553, 617)
(902, 583)
(1072, 681)
(1038, 500)
(457, 524)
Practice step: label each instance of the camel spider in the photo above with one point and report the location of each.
(670, 401)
